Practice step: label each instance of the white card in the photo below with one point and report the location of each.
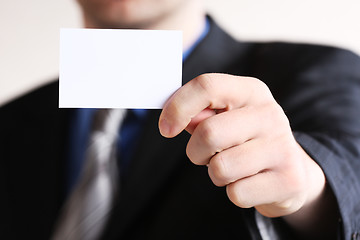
(112, 68)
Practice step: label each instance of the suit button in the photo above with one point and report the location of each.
(355, 236)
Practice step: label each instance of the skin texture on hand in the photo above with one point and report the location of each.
(244, 137)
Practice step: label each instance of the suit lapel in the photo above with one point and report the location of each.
(34, 150)
(217, 53)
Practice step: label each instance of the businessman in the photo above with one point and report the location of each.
(274, 129)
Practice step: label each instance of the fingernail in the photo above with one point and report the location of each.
(164, 128)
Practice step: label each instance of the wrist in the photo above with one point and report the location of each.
(318, 215)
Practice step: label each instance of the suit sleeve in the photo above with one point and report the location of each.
(323, 106)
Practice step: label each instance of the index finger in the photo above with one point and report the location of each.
(215, 91)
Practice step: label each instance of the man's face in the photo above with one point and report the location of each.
(128, 13)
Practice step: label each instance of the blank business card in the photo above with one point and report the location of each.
(112, 68)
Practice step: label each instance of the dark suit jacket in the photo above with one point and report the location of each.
(164, 196)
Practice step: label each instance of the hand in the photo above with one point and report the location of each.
(243, 136)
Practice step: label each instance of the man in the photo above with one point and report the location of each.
(281, 133)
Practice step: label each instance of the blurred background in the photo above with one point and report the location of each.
(29, 35)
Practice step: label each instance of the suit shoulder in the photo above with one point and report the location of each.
(290, 58)
(30, 108)
(303, 51)
(44, 96)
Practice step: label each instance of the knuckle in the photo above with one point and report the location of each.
(217, 182)
(281, 117)
(205, 83)
(208, 133)
(189, 153)
(264, 89)
(219, 169)
(235, 195)
(276, 118)
(260, 86)
(193, 154)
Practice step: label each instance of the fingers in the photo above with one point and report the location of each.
(214, 91)
(245, 138)
(241, 161)
(233, 128)
(256, 190)
(220, 132)
(267, 191)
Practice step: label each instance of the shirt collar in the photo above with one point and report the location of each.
(203, 34)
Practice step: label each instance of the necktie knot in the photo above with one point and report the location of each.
(107, 120)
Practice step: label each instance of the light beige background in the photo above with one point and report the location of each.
(30, 29)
